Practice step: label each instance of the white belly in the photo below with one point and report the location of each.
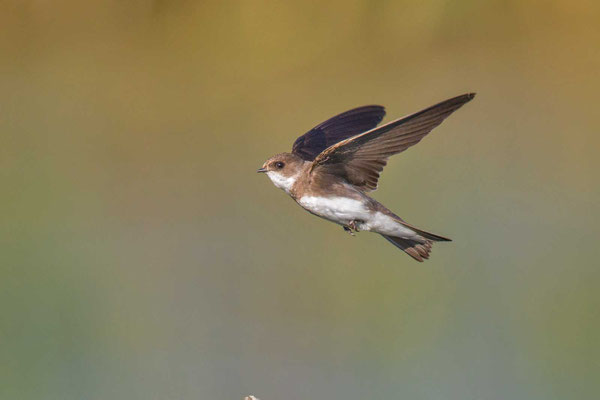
(342, 210)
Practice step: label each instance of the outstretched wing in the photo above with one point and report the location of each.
(360, 159)
(340, 127)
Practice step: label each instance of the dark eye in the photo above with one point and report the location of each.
(279, 164)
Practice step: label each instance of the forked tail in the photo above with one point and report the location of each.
(419, 246)
(419, 250)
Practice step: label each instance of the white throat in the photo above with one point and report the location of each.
(282, 182)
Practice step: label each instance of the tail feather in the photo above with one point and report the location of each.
(427, 235)
(417, 250)
(419, 245)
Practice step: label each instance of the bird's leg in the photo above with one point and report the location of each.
(347, 229)
(353, 223)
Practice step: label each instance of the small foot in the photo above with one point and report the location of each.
(347, 229)
(352, 225)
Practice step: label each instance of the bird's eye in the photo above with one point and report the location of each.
(279, 164)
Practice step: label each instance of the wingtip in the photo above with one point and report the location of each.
(461, 100)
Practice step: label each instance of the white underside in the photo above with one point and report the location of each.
(281, 181)
(342, 210)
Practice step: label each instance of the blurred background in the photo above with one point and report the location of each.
(142, 257)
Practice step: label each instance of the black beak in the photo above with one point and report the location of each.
(262, 170)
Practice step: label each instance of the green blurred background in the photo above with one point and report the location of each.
(143, 258)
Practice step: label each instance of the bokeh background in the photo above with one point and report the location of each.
(143, 258)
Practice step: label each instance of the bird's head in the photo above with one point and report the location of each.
(283, 170)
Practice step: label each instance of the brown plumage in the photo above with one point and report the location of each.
(361, 158)
(416, 250)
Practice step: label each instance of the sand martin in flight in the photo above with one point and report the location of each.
(334, 165)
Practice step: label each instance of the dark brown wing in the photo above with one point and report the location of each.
(340, 127)
(361, 158)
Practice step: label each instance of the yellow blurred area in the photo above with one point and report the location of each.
(143, 257)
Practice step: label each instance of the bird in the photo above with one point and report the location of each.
(332, 168)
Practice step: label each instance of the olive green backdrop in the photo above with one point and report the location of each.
(141, 256)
